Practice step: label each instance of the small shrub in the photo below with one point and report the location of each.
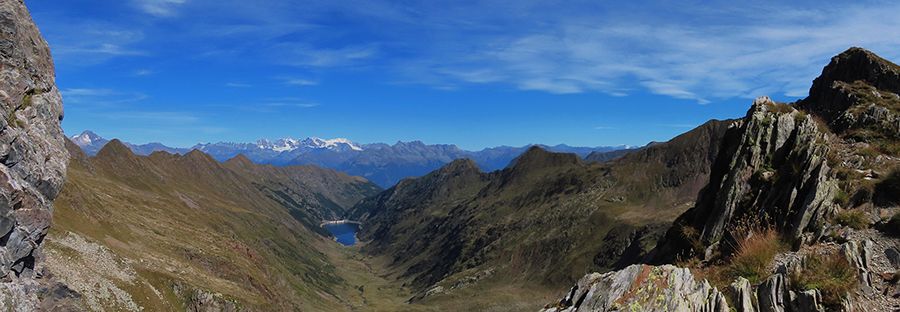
(841, 198)
(889, 147)
(860, 135)
(766, 122)
(853, 218)
(779, 107)
(867, 152)
(692, 237)
(799, 117)
(887, 191)
(26, 101)
(864, 190)
(846, 174)
(821, 124)
(832, 275)
(893, 224)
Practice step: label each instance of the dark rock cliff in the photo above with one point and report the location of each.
(32, 152)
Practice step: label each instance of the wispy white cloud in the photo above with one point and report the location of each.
(159, 8)
(306, 55)
(302, 82)
(276, 105)
(91, 43)
(605, 128)
(301, 105)
(143, 72)
(702, 56)
(238, 85)
(87, 92)
(99, 97)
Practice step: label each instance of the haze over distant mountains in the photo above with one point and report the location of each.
(379, 162)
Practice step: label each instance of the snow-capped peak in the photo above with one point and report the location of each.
(85, 138)
(320, 143)
(288, 144)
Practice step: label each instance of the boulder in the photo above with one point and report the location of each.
(742, 295)
(772, 293)
(642, 288)
(807, 301)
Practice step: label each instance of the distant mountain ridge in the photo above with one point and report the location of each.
(381, 163)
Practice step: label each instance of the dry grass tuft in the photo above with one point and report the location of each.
(754, 253)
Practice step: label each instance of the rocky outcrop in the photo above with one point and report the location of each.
(32, 151)
(742, 296)
(642, 288)
(772, 168)
(199, 300)
(828, 96)
(771, 294)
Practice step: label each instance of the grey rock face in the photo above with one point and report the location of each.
(772, 293)
(806, 301)
(893, 256)
(642, 288)
(772, 169)
(742, 295)
(860, 255)
(32, 148)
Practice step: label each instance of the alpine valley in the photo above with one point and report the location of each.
(792, 207)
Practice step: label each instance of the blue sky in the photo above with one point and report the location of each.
(472, 73)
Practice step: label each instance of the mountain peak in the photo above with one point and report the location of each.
(537, 157)
(114, 148)
(88, 138)
(240, 159)
(859, 64)
(828, 95)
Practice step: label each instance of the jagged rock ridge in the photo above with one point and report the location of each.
(772, 168)
(32, 153)
(777, 168)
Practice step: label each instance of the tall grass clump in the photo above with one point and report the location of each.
(754, 253)
(755, 247)
(832, 275)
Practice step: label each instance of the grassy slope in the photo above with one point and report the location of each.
(221, 227)
(536, 225)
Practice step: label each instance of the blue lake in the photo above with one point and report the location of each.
(344, 232)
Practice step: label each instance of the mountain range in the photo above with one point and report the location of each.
(379, 162)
